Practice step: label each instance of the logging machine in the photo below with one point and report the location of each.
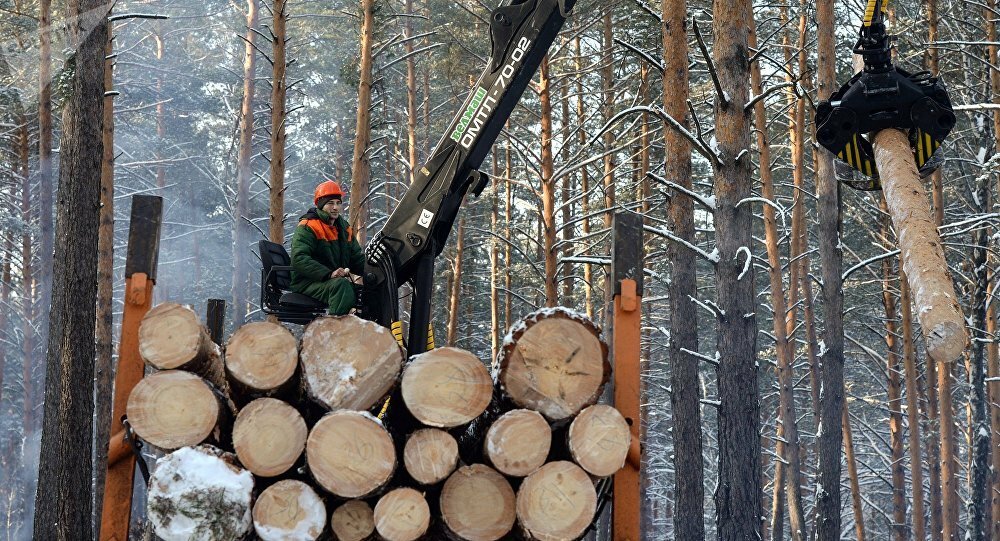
(883, 96)
(417, 231)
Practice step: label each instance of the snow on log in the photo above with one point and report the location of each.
(289, 510)
(353, 521)
(518, 442)
(599, 440)
(446, 387)
(430, 455)
(554, 362)
(350, 454)
(171, 337)
(261, 359)
(556, 503)
(921, 251)
(269, 436)
(477, 504)
(402, 515)
(349, 363)
(174, 409)
(199, 493)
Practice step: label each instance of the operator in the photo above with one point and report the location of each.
(326, 256)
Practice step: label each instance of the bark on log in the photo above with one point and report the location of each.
(199, 493)
(269, 436)
(174, 409)
(518, 442)
(349, 363)
(353, 521)
(556, 503)
(554, 362)
(921, 252)
(171, 337)
(599, 440)
(402, 515)
(350, 454)
(289, 510)
(477, 504)
(446, 387)
(430, 455)
(261, 359)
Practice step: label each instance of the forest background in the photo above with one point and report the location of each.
(195, 111)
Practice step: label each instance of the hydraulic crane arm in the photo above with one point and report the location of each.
(404, 250)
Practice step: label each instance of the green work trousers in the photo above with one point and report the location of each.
(338, 294)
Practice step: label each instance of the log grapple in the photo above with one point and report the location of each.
(879, 97)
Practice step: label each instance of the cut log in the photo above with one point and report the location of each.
(556, 503)
(349, 363)
(174, 409)
(289, 510)
(349, 454)
(478, 504)
(446, 387)
(353, 521)
(171, 337)
(554, 362)
(921, 251)
(599, 440)
(199, 493)
(518, 442)
(430, 455)
(261, 359)
(269, 436)
(402, 515)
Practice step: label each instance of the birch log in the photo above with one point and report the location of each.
(199, 493)
(921, 251)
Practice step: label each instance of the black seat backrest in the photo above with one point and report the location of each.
(274, 255)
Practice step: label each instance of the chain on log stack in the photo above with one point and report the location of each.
(277, 439)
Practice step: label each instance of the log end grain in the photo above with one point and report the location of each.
(269, 436)
(353, 521)
(556, 503)
(170, 336)
(554, 362)
(430, 455)
(478, 504)
(599, 440)
(349, 363)
(262, 355)
(446, 387)
(199, 493)
(402, 515)
(289, 510)
(350, 454)
(173, 409)
(518, 442)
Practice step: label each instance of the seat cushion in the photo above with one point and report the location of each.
(298, 300)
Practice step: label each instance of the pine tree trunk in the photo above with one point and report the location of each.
(898, 526)
(567, 226)
(992, 348)
(689, 513)
(276, 229)
(789, 442)
(912, 410)
(104, 369)
(738, 496)
(548, 187)
(588, 272)
(45, 188)
(28, 284)
(931, 60)
(455, 294)
(411, 94)
(494, 262)
(360, 169)
(241, 227)
(852, 474)
(63, 501)
(831, 258)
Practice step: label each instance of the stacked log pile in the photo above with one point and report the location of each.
(340, 436)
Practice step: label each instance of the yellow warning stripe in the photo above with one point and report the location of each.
(430, 337)
(928, 147)
(920, 148)
(397, 332)
(857, 153)
(869, 12)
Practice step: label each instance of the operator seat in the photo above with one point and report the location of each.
(275, 284)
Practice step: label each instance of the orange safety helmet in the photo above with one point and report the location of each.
(327, 189)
